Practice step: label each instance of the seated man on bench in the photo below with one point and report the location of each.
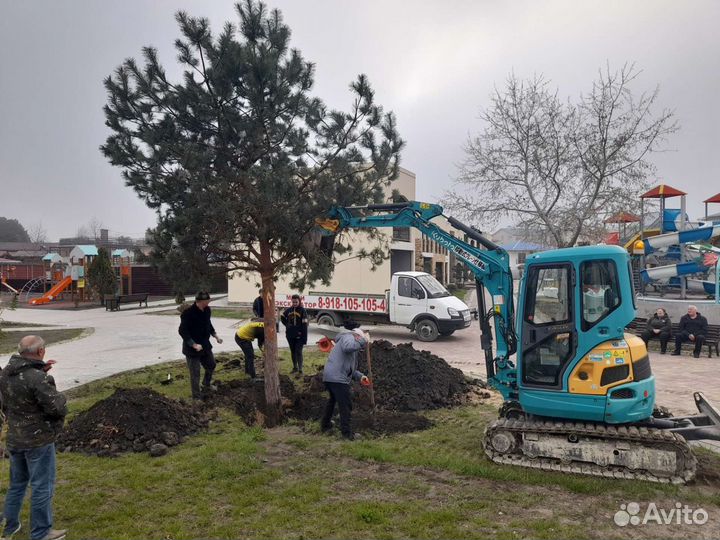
(660, 327)
(693, 328)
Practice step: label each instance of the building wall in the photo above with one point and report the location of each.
(351, 275)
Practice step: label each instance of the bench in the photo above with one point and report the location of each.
(712, 339)
(113, 303)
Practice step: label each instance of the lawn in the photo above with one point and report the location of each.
(10, 338)
(13, 324)
(236, 481)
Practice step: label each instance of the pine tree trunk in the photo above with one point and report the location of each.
(272, 377)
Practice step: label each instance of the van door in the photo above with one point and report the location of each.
(409, 300)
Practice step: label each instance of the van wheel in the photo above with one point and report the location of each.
(447, 333)
(426, 330)
(326, 320)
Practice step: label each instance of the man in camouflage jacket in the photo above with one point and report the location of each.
(35, 413)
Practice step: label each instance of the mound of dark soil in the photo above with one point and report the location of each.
(247, 397)
(132, 419)
(308, 406)
(406, 379)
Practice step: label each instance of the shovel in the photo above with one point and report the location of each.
(370, 374)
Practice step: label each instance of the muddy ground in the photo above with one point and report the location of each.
(405, 382)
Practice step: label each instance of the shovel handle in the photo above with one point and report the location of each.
(370, 374)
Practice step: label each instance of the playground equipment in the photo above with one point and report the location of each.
(30, 286)
(6, 269)
(53, 292)
(678, 239)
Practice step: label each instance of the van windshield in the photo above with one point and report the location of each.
(433, 286)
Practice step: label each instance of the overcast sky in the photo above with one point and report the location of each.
(433, 63)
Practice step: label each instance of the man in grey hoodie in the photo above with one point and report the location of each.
(340, 370)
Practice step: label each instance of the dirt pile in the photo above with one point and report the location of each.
(247, 397)
(406, 379)
(132, 419)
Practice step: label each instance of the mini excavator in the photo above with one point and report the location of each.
(578, 391)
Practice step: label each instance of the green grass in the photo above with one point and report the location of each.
(14, 324)
(10, 338)
(236, 481)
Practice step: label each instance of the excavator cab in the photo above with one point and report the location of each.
(574, 359)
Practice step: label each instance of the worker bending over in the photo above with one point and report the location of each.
(244, 337)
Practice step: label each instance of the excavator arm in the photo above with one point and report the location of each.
(488, 262)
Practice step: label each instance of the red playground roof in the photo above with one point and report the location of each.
(623, 217)
(663, 191)
(713, 199)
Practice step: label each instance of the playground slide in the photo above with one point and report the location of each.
(12, 289)
(671, 270)
(52, 293)
(697, 266)
(669, 239)
(701, 286)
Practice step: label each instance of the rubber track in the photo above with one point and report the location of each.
(647, 436)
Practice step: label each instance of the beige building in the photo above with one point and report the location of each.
(409, 250)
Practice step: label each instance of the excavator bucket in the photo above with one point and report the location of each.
(323, 236)
(330, 226)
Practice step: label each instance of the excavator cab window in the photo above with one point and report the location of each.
(600, 291)
(548, 336)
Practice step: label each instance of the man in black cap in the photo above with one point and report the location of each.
(195, 330)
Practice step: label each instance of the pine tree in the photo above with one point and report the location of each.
(101, 276)
(238, 158)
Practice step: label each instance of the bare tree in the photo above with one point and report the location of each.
(37, 233)
(82, 232)
(94, 226)
(559, 169)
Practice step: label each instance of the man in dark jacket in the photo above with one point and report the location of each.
(660, 327)
(338, 374)
(295, 319)
(195, 330)
(35, 413)
(258, 306)
(693, 327)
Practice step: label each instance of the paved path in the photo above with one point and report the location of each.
(132, 338)
(121, 340)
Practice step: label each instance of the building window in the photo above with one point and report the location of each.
(401, 234)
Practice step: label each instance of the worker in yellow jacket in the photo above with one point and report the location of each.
(244, 337)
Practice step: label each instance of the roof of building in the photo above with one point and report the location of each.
(23, 246)
(120, 253)
(7, 261)
(623, 217)
(522, 246)
(27, 254)
(714, 199)
(87, 250)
